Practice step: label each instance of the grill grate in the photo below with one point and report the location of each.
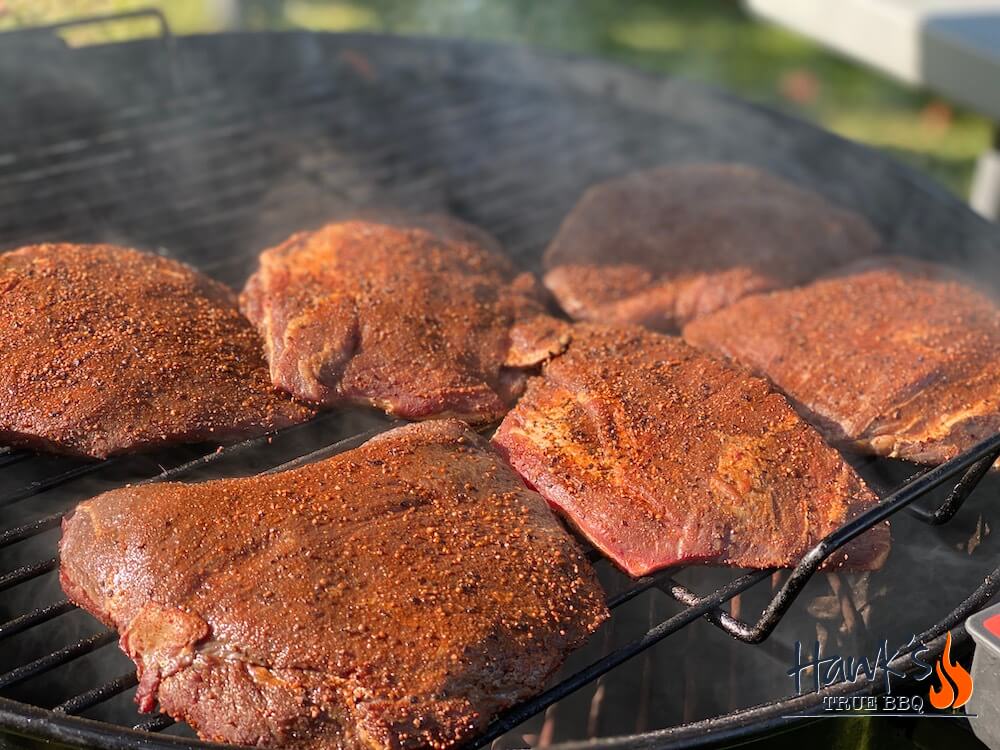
(967, 467)
(214, 175)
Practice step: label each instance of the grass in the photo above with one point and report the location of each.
(707, 40)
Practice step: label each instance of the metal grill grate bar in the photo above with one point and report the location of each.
(99, 694)
(57, 658)
(957, 497)
(35, 617)
(27, 572)
(37, 488)
(157, 724)
(9, 457)
(30, 529)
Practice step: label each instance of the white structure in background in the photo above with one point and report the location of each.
(951, 47)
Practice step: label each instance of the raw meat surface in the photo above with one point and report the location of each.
(894, 357)
(663, 247)
(423, 321)
(662, 455)
(398, 595)
(107, 350)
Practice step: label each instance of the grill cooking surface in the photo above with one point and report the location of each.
(253, 137)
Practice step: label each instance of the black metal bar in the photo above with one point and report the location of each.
(524, 711)
(9, 457)
(341, 446)
(157, 724)
(57, 658)
(718, 617)
(90, 20)
(35, 617)
(37, 488)
(959, 494)
(27, 572)
(30, 529)
(100, 694)
(638, 586)
(166, 37)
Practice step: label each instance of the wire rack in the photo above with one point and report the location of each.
(967, 469)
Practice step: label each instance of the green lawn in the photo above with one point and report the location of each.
(707, 40)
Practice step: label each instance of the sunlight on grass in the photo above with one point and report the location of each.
(184, 17)
(649, 36)
(963, 139)
(331, 16)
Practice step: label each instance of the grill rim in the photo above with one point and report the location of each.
(589, 76)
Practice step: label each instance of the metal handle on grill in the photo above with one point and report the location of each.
(166, 36)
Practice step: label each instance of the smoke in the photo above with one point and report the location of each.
(266, 135)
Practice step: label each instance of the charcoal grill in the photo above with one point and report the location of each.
(210, 148)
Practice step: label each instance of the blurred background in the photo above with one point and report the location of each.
(712, 41)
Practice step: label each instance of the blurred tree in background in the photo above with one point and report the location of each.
(712, 41)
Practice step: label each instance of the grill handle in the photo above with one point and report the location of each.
(166, 36)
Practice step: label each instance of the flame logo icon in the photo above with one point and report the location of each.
(956, 683)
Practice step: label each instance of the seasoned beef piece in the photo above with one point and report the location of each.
(105, 350)
(395, 596)
(893, 357)
(423, 321)
(662, 455)
(662, 247)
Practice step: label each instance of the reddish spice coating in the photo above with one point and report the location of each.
(894, 357)
(395, 596)
(105, 350)
(422, 320)
(662, 455)
(665, 246)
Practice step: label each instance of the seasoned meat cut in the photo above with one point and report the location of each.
(894, 357)
(425, 320)
(662, 455)
(665, 246)
(105, 350)
(398, 595)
